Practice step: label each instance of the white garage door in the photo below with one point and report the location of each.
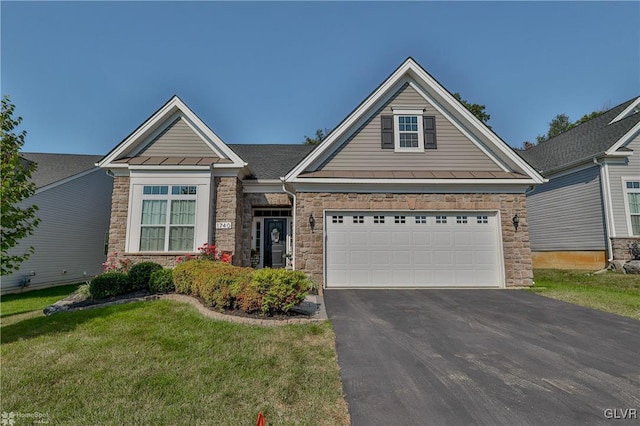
(413, 249)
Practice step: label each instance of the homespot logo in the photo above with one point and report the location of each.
(621, 413)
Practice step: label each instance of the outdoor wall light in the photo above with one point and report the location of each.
(312, 222)
(516, 221)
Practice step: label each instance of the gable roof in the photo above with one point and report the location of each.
(156, 125)
(591, 139)
(271, 161)
(54, 168)
(478, 133)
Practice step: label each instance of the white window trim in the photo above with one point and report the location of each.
(202, 197)
(625, 192)
(397, 112)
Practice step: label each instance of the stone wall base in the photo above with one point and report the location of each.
(621, 247)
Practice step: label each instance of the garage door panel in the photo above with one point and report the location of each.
(398, 249)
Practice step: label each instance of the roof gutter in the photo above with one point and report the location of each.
(608, 205)
(293, 218)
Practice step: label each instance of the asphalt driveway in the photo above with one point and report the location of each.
(483, 357)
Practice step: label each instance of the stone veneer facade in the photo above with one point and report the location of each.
(235, 207)
(622, 247)
(517, 251)
(228, 202)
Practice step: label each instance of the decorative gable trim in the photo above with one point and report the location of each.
(613, 150)
(438, 97)
(634, 105)
(157, 123)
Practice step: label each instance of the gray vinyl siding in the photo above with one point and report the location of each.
(567, 214)
(71, 235)
(178, 140)
(454, 152)
(616, 173)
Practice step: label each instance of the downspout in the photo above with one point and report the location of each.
(293, 218)
(608, 213)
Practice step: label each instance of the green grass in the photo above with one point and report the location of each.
(161, 362)
(14, 304)
(610, 292)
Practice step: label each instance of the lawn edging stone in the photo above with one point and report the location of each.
(75, 303)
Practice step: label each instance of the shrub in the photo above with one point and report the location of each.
(185, 273)
(274, 290)
(109, 284)
(161, 281)
(140, 273)
(219, 286)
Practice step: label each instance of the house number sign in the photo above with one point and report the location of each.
(223, 225)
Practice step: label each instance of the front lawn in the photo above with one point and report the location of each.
(37, 300)
(161, 362)
(610, 292)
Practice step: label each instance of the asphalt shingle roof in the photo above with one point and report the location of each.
(271, 161)
(583, 142)
(56, 167)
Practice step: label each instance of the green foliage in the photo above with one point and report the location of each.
(560, 124)
(161, 281)
(109, 284)
(277, 290)
(18, 221)
(140, 273)
(475, 109)
(220, 288)
(320, 136)
(185, 273)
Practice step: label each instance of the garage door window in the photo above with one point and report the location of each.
(400, 219)
(482, 219)
(378, 219)
(441, 219)
(358, 219)
(421, 219)
(461, 219)
(337, 219)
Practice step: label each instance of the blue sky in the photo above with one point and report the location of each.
(83, 75)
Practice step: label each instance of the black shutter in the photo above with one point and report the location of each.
(429, 124)
(386, 125)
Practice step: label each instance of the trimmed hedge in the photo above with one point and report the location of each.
(161, 281)
(218, 287)
(140, 273)
(109, 284)
(278, 290)
(223, 286)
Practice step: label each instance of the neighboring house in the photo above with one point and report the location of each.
(74, 201)
(409, 190)
(589, 211)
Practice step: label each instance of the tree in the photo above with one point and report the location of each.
(561, 123)
(16, 186)
(475, 109)
(320, 135)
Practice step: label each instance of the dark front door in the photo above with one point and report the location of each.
(275, 242)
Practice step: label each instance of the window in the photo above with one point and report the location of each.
(358, 219)
(408, 133)
(168, 222)
(482, 219)
(421, 219)
(461, 219)
(336, 219)
(441, 219)
(400, 219)
(632, 196)
(378, 219)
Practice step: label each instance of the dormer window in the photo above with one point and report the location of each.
(408, 130)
